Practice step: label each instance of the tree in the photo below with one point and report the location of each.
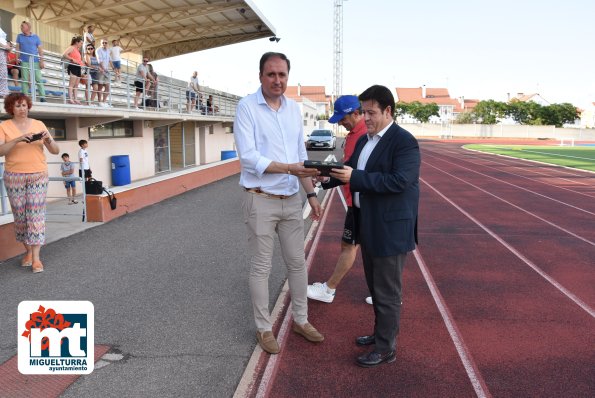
(488, 112)
(559, 114)
(524, 112)
(465, 118)
(417, 110)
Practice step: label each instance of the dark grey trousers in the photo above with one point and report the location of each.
(383, 276)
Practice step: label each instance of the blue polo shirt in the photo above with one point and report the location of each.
(28, 45)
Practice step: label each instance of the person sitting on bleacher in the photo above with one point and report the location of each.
(13, 67)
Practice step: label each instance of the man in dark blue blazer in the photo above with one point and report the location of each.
(384, 176)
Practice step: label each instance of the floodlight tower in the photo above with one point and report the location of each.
(338, 50)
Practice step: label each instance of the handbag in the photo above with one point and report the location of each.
(93, 187)
(113, 201)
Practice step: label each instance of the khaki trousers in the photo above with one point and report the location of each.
(265, 217)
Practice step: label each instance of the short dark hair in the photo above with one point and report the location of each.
(380, 94)
(75, 40)
(65, 155)
(266, 56)
(82, 142)
(14, 98)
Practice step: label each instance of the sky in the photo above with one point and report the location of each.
(477, 49)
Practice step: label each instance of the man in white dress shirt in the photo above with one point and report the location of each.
(270, 142)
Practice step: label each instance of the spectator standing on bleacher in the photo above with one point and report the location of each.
(73, 56)
(141, 80)
(5, 47)
(88, 37)
(92, 64)
(115, 52)
(152, 90)
(29, 44)
(192, 91)
(104, 58)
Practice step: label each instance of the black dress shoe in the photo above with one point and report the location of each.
(365, 340)
(374, 358)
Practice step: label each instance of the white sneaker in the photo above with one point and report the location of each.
(369, 300)
(319, 291)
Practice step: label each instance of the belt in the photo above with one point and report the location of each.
(258, 191)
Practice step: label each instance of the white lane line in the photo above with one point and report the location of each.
(272, 364)
(539, 271)
(473, 372)
(515, 206)
(516, 186)
(515, 162)
(530, 178)
(510, 162)
(557, 155)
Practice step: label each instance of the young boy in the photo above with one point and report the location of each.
(67, 169)
(115, 56)
(84, 160)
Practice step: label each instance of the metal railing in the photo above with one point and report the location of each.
(169, 95)
(5, 206)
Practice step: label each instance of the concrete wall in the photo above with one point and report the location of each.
(140, 148)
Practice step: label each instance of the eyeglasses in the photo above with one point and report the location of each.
(104, 42)
(145, 60)
(90, 49)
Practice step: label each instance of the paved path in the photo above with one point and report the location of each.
(169, 286)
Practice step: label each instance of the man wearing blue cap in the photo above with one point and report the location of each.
(347, 114)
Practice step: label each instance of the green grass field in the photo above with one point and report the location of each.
(577, 157)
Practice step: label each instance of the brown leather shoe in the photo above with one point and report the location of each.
(268, 342)
(309, 332)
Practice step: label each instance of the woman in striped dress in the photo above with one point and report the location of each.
(22, 142)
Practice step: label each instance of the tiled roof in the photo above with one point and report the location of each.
(439, 96)
(524, 98)
(470, 103)
(313, 93)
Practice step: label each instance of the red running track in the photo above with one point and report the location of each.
(498, 298)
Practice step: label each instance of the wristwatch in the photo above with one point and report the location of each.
(311, 195)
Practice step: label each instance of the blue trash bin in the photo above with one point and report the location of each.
(120, 170)
(228, 155)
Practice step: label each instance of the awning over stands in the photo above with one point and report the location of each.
(157, 28)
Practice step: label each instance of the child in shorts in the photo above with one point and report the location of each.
(67, 168)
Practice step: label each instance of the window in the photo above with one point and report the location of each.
(121, 128)
(56, 127)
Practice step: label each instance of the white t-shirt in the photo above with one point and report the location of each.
(193, 84)
(103, 56)
(115, 52)
(85, 156)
